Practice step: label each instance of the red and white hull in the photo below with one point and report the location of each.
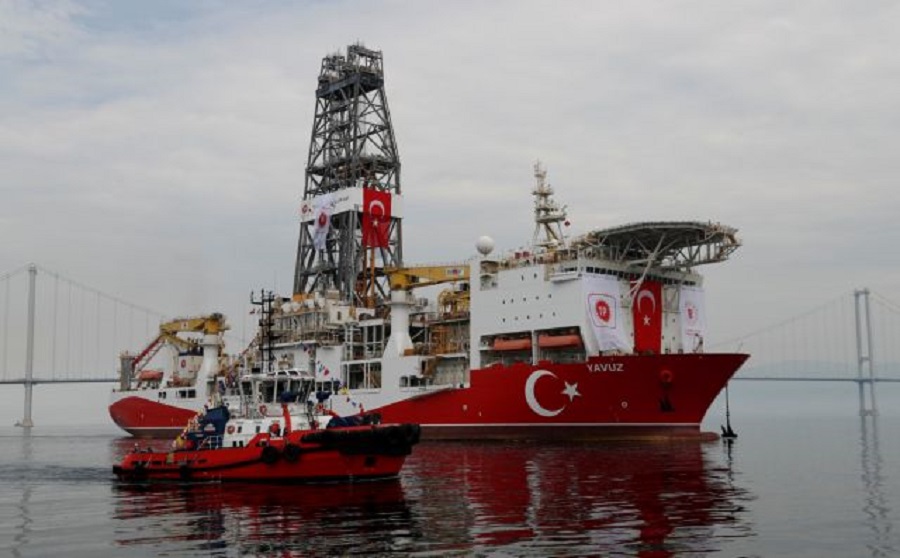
(626, 396)
(606, 397)
(339, 454)
(142, 415)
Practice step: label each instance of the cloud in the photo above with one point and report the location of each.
(158, 151)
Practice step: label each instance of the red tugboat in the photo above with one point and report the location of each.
(216, 447)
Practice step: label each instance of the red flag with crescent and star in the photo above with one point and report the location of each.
(647, 312)
(376, 217)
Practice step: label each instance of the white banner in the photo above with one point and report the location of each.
(341, 201)
(322, 224)
(692, 308)
(603, 303)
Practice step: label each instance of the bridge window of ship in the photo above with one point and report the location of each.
(162, 395)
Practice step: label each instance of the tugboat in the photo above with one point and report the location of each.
(217, 446)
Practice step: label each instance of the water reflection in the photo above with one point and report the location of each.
(651, 500)
(23, 520)
(875, 509)
(262, 519)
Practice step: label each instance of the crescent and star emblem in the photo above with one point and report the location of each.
(571, 391)
(646, 294)
(641, 296)
(376, 204)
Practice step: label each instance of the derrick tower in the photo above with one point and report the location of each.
(350, 216)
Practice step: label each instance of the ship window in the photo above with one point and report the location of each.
(257, 429)
(162, 395)
(240, 428)
(191, 394)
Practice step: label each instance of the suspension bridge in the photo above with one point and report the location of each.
(56, 330)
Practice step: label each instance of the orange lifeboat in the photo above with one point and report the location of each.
(521, 344)
(150, 376)
(546, 341)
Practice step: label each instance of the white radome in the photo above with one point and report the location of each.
(485, 245)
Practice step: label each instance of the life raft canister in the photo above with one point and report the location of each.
(666, 376)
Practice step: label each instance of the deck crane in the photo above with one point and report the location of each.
(212, 324)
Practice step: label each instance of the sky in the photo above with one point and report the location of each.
(155, 151)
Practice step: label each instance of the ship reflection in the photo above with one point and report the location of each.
(290, 520)
(650, 500)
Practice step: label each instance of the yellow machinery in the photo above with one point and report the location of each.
(168, 333)
(407, 278)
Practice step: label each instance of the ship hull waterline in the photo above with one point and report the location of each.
(606, 397)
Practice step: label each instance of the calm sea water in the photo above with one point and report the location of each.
(815, 484)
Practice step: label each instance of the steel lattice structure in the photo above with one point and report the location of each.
(352, 146)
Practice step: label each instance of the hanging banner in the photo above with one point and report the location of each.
(602, 297)
(322, 220)
(692, 308)
(647, 311)
(376, 218)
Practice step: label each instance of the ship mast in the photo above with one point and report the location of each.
(352, 148)
(548, 215)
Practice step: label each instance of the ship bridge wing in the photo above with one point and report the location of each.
(662, 245)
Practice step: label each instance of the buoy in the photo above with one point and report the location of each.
(231, 429)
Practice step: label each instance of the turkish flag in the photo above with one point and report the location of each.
(376, 217)
(647, 310)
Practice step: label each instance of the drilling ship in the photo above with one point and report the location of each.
(589, 336)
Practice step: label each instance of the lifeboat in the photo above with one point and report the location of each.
(546, 341)
(150, 376)
(520, 344)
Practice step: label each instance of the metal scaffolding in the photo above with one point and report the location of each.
(352, 147)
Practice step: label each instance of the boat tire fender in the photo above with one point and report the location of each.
(292, 453)
(269, 455)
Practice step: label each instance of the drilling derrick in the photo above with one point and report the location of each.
(350, 216)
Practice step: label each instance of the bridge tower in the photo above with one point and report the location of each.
(350, 215)
(26, 421)
(864, 360)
